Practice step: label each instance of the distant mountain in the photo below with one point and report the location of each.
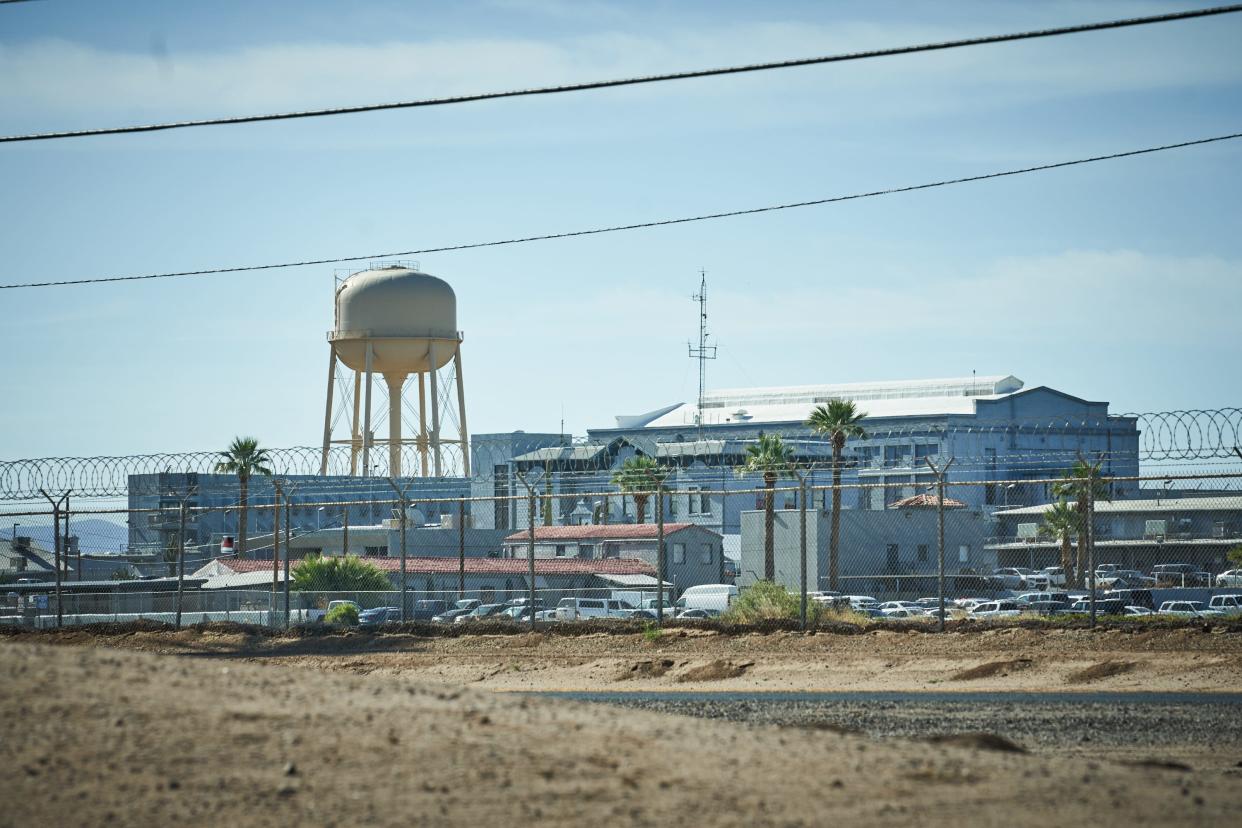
(94, 534)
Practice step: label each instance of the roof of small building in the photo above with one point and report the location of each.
(1162, 504)
(480, 566)
(926, 501)
(602, 532)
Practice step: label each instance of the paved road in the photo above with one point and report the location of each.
(1039, 721)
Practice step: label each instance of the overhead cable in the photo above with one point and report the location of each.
(623, 227)
(642, 79)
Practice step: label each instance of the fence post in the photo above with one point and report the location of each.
(288, 545)
(802, 518)
(461, 548)
(345, 531)
(404, 505)
(661, 552)
(530, 542)
(1088, 535)
(56, 504)
(276, 502)
(940, 473)
(180, 560)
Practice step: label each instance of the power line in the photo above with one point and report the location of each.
(624, 227)
(642, 79)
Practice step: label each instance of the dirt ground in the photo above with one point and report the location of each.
(1185, 659)
(111, 736)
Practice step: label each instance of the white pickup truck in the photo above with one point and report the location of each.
(1228, 605)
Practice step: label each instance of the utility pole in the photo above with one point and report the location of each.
(57, 505)
(802, 495)
(530, 542)
(703, 352)
(405, 511)
(939, 473)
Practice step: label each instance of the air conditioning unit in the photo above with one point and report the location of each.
(1155, 528)
(1028, 531)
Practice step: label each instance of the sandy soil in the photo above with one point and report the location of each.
(101, 736)
(1171, 660)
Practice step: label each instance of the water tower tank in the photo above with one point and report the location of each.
(400, 312)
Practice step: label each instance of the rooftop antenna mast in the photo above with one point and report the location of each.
(704, 352)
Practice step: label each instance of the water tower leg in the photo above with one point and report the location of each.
(366, 417)
(461, 414)
(327, 411)
(435, 408)
(422, 420)
(395, 381)
(354, 445)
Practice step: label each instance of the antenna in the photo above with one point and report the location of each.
(704, 352)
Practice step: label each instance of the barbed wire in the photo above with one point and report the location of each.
(1183, 435)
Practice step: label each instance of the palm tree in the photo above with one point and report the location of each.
(839, 420)
(244, 458)
(771, 458)
(1074, 485)
(639, 476)
(1062, 522)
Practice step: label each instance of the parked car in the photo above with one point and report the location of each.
(462, 607)
(889, 607)
(643, 614)
(1055, 576)
(1187, 609)
(577, 609)
(902, 613)
(1132, 597)
(996, 609)
(427, 610)
(378, 615)
(861, 601)
(1229, 578)
(1109, 606)
(480, 612)
(1133, 610)
(1012, 577)
(1227, 605)
(334, 604)
(699, 613)
(1180, 575)
(1125, 579)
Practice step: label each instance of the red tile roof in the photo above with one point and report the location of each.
(611, 531)
(482, 566)
(926, 501)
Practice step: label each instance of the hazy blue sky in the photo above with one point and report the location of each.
(1121, 281)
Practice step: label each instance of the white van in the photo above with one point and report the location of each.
(717, 597)
(575, 609)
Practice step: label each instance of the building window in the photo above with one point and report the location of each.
(922, 552)
(893, 556)
(374, 551)
(679, 553)
(705, 503)
(897, 456)
(692, 502)
(560, 550)
(705, 557)
(963, 553)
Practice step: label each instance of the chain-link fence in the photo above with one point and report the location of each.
(929, 547)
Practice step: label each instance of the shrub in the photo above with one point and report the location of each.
(766, 601)
(342, 614)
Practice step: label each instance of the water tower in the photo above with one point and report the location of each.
(399, 323)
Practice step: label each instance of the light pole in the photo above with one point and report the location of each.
(1007, 488)
(319, 519)
(14, 535)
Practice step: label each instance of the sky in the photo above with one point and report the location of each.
(1118, 281)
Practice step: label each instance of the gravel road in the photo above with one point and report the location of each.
(1132, 725)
